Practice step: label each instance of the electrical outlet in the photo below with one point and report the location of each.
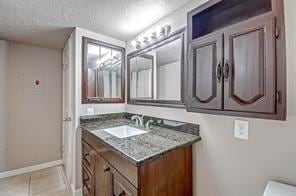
(241, 129)
(90, 111)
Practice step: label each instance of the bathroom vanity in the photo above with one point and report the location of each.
(156, 161)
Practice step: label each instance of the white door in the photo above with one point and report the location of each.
(67, 110)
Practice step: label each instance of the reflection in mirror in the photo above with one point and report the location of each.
(168, 63)
(155, 73)
(104, 72)
(141, 76)
(103, 66)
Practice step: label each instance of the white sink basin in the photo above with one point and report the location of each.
(124, 131)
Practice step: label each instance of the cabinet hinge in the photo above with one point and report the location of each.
(277, 32)
(278, 96)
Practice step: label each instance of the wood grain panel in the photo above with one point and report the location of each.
(205, 89)
(170, 175)
(248, 66)
(87, 155)
(87, 182)
(101, 176)
(249, 55)
(120, 186)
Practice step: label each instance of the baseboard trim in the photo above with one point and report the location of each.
(75, 192)
(30, 169)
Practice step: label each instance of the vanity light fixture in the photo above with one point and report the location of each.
(153, 36)
(136, 44)
(158, 33)
(146, 40)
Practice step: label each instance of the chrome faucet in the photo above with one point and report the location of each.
(139, 120)
(148, 124)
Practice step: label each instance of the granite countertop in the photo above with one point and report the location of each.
(140, 148)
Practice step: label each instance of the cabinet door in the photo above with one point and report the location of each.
(87, 182)
(101, 176)
(205, 73)
(87, 155)
(120, 186)
(249, 67)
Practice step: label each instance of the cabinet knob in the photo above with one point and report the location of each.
(219, 72)
(226, 70)
(106, 168)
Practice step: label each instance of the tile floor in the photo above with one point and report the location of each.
(46, 182)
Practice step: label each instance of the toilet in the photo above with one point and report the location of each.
(279, 189)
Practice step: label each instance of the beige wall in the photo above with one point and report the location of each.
(3, 100)
(223, 165)
(33, 133)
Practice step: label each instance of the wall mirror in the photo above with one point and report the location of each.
(103, 72)
(155, 73)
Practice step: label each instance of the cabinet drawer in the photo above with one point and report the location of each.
(87, 182)
(120, 186)
(86, 155)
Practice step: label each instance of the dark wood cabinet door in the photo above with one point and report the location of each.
(205, 73)
(249, 66)
(101, 176)
(120, 186)
(87, 155)
(87, 182)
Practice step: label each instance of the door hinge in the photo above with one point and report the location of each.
(278, 96)
(277, 32)
(67, 119)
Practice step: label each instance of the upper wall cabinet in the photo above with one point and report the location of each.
(237, 59)
(155, 73)
(103, 72)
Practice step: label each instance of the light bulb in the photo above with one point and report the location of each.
(146, 40)
(134, 43)
(158, 30)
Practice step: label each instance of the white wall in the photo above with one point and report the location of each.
(80, 109)
(33, 118)
(3, 100)
(140, 84)
(223, 165)
(169, 81)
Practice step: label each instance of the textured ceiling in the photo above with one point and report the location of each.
(48, 22)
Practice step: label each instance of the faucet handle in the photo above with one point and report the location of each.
(148, 123)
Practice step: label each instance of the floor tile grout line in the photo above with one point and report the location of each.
(29, 182)
(46, 190)
(60, 174)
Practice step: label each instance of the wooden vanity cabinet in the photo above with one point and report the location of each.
(109, 174)
(236, 59)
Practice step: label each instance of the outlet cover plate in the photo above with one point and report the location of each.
(90, 111)
(241, 129)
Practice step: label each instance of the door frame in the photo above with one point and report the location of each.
(68, 121)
